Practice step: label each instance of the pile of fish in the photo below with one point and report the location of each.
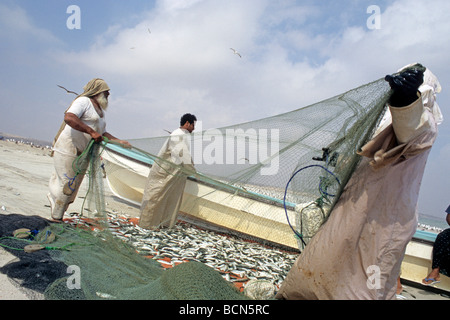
(236, 259)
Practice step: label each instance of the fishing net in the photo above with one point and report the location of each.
(110, 269)
(85, 261)
(273, 181)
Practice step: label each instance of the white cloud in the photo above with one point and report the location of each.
(178, 58)
(185, 61)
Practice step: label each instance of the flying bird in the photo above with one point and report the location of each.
(235, 52)
(68, 91)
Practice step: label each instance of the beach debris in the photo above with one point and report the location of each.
(104, 295)
(22, 233)
(259, 289)
(33, 247)
(46, 236)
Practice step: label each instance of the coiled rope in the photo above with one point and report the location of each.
(299, 235)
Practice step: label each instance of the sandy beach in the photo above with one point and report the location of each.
(24, 174)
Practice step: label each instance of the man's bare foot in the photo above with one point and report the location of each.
(399, 286)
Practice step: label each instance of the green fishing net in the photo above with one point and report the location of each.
(272, 180)
(101, 267)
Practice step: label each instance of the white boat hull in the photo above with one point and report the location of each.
(201, 201)
(417, 263)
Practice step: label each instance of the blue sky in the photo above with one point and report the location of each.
(164, 58)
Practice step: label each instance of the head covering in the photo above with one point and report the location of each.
(91, 89)
(94, 87)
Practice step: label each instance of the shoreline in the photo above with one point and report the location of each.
(36, 143)
(429, 228)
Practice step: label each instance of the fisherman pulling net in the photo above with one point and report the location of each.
(358, 252)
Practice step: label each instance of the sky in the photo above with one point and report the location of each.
(165, 58)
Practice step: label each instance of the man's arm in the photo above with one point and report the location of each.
(110, 137)
(73, 121)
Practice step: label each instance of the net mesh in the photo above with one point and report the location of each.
(272, 181)
(111, 269)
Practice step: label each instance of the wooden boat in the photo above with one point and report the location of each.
(205, 200)
(223, 206)
(416, 264)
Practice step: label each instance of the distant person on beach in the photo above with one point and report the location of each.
(357, 253)
(163, 192)
(83, 120)
(441, 256)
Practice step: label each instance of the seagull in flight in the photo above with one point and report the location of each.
(235, 52)
(68, 91)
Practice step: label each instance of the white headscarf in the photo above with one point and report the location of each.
(92, 88)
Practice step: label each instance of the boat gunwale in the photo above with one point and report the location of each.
(220, 185)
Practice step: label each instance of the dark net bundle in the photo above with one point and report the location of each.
(33, 272)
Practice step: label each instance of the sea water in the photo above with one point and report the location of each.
(432, 222)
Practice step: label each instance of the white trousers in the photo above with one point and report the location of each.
(64, 184)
